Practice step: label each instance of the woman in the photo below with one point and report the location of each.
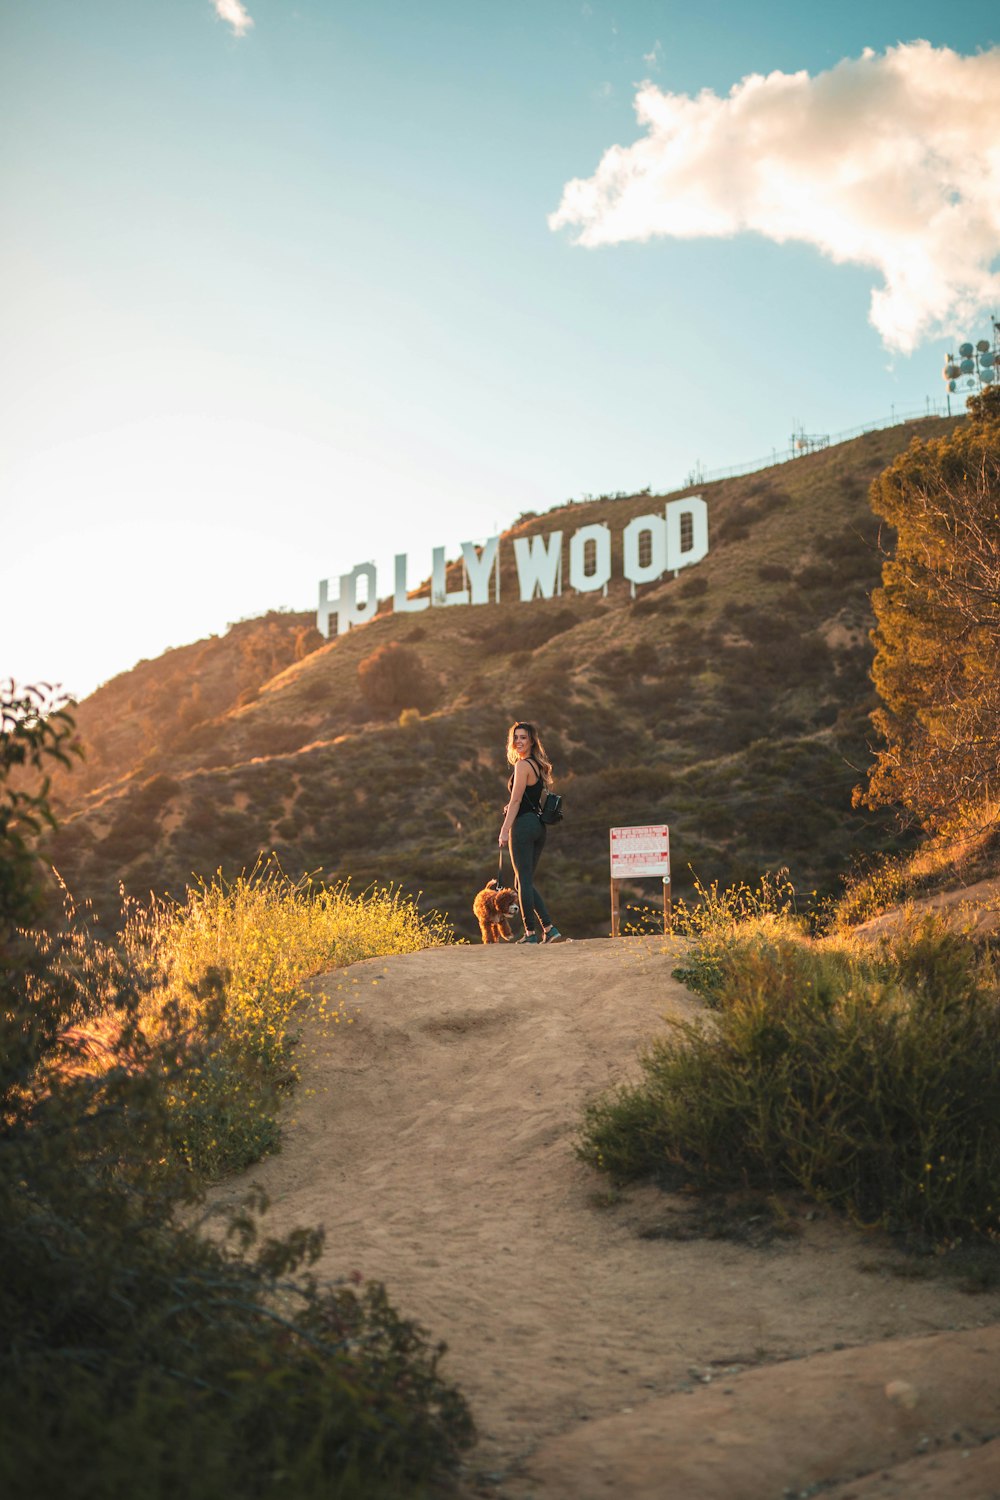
(523, 828)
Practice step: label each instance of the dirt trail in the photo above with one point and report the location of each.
(433, 1138)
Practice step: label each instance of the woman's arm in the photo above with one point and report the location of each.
(516, 793)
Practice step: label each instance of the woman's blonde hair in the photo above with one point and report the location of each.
(537, 751)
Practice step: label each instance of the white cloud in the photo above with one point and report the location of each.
(654, 56)
(887, 161)
(235, 13)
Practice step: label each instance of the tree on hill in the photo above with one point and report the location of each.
(392, 677)
(937, 635)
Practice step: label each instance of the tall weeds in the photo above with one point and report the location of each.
(247, 948)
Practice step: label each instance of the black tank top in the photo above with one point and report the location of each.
(531, 801)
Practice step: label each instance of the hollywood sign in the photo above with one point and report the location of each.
(651, 546)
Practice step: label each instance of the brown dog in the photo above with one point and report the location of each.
(493, 906)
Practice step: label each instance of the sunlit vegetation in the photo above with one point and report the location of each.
(167, 708)
(142, 1356)
(263, 936)
(867, 1077)
(937, 663)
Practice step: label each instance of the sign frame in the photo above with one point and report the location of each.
(640, 852)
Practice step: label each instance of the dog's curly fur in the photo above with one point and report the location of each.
(494, 906)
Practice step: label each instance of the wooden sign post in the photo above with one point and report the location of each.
(636, 852)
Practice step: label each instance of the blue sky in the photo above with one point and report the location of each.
(282, 301)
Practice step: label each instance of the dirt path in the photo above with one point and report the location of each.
(433, 1138)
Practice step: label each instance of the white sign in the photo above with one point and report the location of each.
(675, 540)
(644, 850)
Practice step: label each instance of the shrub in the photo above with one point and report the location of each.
(153, 795)
(652, 604)
(868, 1079)
(542, 623)
(35, 729)
(816, 575)
(732, 528)
(646, 658)
(393, 678)
(281, 737)
(870, 892)
(718, 916)
(307, 640)
(139, 1356)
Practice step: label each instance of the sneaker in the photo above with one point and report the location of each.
(553, 936)
(530, 938)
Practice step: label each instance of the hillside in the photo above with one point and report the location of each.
(143, 716)
(730, 701)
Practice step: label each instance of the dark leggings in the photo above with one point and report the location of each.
(527, 840)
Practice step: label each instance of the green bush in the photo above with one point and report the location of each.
(35, 729)
(870, 1079)
(141, 1356)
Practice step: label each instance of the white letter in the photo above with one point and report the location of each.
(347, 609)
(696, 511)
(477, 566)
(326, 609)
(400, 603)
(539, 565)
(439, 585)
(633, 569)
(583, 582)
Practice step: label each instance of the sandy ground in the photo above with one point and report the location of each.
(433, 1139)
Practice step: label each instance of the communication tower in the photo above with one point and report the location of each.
(975, 366)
